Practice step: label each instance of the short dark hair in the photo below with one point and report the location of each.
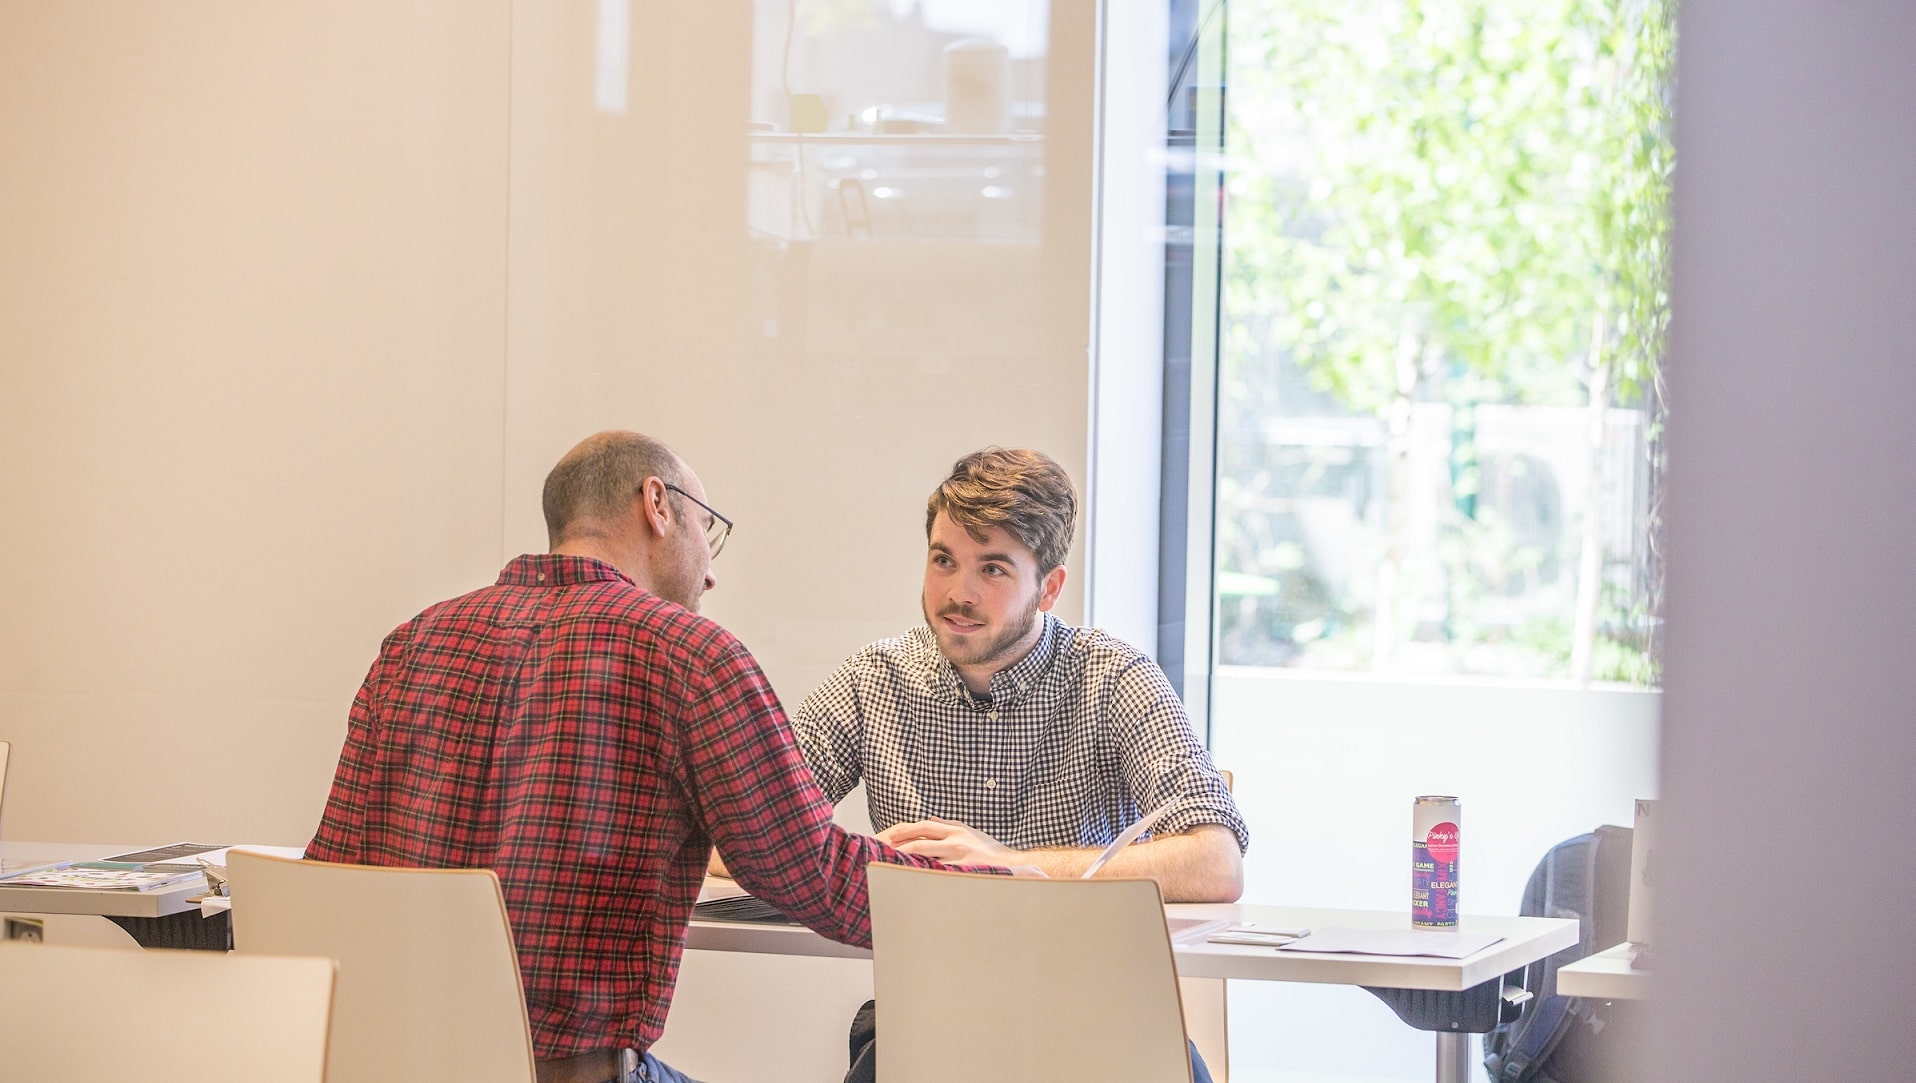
(1026, 492)
(599, 478)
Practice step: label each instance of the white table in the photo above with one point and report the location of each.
(1606, 975)
(111, 904)
(1525, 940)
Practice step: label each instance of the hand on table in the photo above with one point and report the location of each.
(951, 842)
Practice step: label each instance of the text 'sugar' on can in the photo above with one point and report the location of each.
(1434, 835)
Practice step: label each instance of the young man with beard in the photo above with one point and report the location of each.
(997, 734)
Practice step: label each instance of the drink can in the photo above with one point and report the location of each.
(1434, 835)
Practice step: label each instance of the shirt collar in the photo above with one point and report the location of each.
(554, 570)
(1012, 683)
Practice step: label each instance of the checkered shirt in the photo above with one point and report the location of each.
(588, 742)
(1075, 741)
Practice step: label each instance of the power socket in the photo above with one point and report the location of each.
(31, 930)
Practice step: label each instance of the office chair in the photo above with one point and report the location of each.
(69, 1014)
(429, 986)
(1044, 979)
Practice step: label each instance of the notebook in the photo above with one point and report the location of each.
(1643, 875)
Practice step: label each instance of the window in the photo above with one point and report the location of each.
(1444, 296)
(1417, 262)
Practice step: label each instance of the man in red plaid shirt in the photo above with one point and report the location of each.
(577, 728)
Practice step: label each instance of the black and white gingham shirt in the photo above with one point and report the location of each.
(1075, 742)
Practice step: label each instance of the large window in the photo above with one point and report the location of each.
(1421, 246)
(1443, 309)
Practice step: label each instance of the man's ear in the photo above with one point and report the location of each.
(655, 508)
(1053, 586)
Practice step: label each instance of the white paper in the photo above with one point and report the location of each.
(1130, 835)
(1192, 930)
(719, 887)
(218, 857)
(1259, 936)
(1427, 942)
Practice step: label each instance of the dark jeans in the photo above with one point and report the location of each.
(654, 1070)
(864, 1050)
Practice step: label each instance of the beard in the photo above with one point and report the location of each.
(684, 583)
(979, 650)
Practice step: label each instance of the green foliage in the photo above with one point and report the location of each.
(1474, 181)
(1458, 197)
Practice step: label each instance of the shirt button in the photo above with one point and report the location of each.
(993, 715)
(991, 784)
(542, 577)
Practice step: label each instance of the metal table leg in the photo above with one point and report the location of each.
(1453, 1057)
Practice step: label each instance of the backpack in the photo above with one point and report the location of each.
(1558, 1039)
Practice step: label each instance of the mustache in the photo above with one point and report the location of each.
(964, 611)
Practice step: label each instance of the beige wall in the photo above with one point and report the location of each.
(251, 277)
(299, 301)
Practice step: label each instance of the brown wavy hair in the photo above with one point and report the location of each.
(1026, 492)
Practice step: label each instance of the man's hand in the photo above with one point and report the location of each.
(1199, 865)
(951, 842)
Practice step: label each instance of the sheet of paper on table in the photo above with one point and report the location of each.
(1192, 930)
(1435, 943)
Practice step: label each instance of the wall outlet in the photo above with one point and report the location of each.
(32, 930)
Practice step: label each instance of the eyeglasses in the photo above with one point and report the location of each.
(716, 531)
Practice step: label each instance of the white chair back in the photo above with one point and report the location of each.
(1023, 979)
(429, 986)
(72, 1014)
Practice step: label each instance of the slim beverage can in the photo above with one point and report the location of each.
(1434, 835)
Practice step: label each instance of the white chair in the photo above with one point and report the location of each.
(1023, 979)
(73, 1014)
(1206, 1014)
(429, 986)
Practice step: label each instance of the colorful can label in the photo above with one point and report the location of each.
(1435, 831)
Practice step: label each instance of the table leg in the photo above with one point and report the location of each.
(1453, 1057)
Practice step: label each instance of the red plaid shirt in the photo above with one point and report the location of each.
(590, 743)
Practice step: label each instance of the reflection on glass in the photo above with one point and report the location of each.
(896, 192)
(876, 119)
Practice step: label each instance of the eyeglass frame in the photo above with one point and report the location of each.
(717, 544)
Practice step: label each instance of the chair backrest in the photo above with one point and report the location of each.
(71, 1014)
(429, 985)
(1042, 979)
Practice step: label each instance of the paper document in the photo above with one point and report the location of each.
(1130, 835)
(1258, 936)
(1192, 930)
(168, 853)
(1434, 943)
